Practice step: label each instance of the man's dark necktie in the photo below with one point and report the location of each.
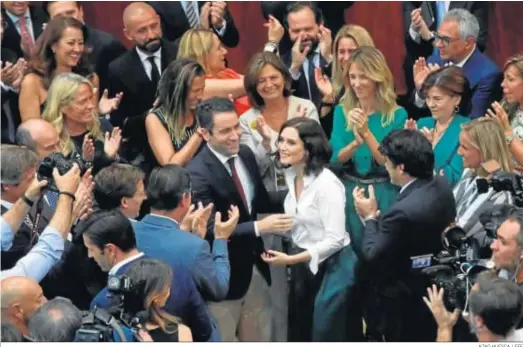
(237, 181)
(155, 74)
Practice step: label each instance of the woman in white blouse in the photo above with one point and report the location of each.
(319, 254)
(268, 83)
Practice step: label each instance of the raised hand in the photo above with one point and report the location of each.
(106, 105)
(275, 30)
(498, 113)
(366, 207)
(217, 13)
(298, 57)
(205, 12)
(88, 148)
(325, 38)
(359, 119)
(322, 82)
(301, 111)
(34, 191)
(263, 128)
(112, 142)
(223, 230)
(444, 318)
(419, 25)
(428, 133)
(420, 71)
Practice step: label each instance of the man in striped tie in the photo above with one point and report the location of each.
(180, 16)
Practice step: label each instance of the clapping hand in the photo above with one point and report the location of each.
(498, 113)
(419, 25)
(298, 56)
(301, 111)
(325, 39)
(217, 11)
(223, 230)
(106, 105)
(88, 148)
(112, 142)
(366, 207)
(83, 203)
(428, 133)
(196, 219)
(322, 82)
(275, 30)
(263, 128)
(411, 124)
(359, 119)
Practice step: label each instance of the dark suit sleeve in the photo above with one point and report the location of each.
(231, 36)
(212, 272)
(487, 90)
(202, 193)
(382, 238)
(115, 86)
(112, 51)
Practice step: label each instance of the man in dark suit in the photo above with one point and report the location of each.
(333, 16)
(24, 24)
(110, 240)
(392, 242)
(167, 234)
(180, 16)
(224, 173)
(456, 43)
(104, 47)
(137, 72)
(304, 23)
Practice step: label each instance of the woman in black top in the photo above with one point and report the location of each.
(71, 110)
(151, 287)
(172, 127)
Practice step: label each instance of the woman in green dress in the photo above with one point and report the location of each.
(447, 92)
(367, 113)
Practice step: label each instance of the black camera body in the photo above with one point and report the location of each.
(502, 181)
(63, 165)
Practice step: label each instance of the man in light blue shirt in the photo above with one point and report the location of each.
(48, 251)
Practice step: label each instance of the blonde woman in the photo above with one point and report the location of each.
(480, 141)
(205, 47)
(510, 112)
(151, 281)
(70, 108)
(347, 40)
(368, 112)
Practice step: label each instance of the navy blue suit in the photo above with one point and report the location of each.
(162, 238)
(185, 302)
(485, 81)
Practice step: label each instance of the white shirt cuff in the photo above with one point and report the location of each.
(221, 31)
(418, 101)
(295, 76)
(315, 260)
(256, 231)
(416, 36)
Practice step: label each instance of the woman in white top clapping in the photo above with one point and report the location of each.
(319, 257)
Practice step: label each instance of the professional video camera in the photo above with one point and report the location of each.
(502, 181)
(57, 160)
(113, 325)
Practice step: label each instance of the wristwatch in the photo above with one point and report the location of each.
(271, 47)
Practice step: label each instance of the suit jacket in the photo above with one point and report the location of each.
(12, 39)
(105, 49)
(9, 110)
(175, 23)
(415, 50)
(411, 227)
(162, 238)
(300, 87)
(485, 81)
(184, 302)
(212, 183)
(127, 74)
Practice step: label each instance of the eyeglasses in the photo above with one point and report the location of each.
(446, 41)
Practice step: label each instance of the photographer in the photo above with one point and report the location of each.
(55, 321)
(480, 141)
(151, 282)
(496, 307)
(47, 252)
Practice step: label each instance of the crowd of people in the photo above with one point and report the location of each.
(291, 201)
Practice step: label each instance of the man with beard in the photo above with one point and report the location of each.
(311, 48)
(136, 73)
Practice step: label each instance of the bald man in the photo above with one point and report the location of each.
(20, 297)
(39, 136)
(136, 73)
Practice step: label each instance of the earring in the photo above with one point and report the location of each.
(456, 109)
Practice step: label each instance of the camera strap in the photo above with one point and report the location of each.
(38, 218)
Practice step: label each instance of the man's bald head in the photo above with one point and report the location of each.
(20, 297)
(38, 135)
(142, 26)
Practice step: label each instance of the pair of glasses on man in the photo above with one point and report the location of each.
(445, 40)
